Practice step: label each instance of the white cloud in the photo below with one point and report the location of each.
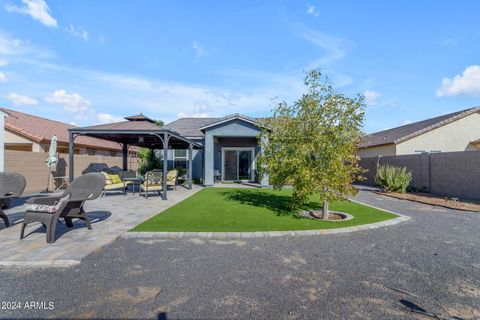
(199, 50)
(405, 122)
(371, 97)
(72, 102)
(108, 118)
(3, 62)
(468, 83)
(17, 49)
(78, 32)
(3, 77)
(19, 100)
(334, 48)
(313, 11)
(37, 9)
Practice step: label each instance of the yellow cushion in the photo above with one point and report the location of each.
(113, 186)
(151, 188)
(115, 178)
(107, 178)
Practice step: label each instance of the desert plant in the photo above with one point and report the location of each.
(391, 178)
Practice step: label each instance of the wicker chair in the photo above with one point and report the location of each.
(12, 185)
(172, 178)
(153, 182)
(68, 205)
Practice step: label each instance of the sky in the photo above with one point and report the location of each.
(89, 62)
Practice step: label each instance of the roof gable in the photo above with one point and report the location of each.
(229, 118)
(195, 127)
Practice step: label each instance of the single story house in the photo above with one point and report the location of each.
(26, 132)
(230, 148)
(457, 131)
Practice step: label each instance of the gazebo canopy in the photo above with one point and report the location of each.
(140, 131)
(137, 130)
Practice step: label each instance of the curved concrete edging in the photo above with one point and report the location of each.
(268, 234)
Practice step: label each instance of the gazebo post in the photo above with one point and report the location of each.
(124, 156)
(190, 155)
(165, 165)
(71, 156)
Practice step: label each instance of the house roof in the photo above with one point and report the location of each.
(40, 130)
(409, 131)
(194, 127)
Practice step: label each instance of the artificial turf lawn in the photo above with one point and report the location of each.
(236, 210)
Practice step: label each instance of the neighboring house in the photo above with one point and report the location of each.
(230, 148)
(25, 132)
(458, 131)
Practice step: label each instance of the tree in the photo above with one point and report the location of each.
(149, 159)
(312, 144)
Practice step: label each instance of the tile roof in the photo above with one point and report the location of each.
(409, 131)
(41, 130)
(191, 127)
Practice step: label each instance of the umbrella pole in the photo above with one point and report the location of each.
(48, 181)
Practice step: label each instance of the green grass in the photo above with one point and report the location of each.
(232, 209)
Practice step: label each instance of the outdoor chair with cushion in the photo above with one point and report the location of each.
(12, 185)
(68, 205)
(153, 182)
(172, 178)
(113, 181)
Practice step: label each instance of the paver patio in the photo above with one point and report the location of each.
(111, 216)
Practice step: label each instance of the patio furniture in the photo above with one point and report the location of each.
(68, 205)
(134, 181)
(113, 181)
(12, 185)
(217, 175)
(172, 178)
(61, 182)
(153, 182)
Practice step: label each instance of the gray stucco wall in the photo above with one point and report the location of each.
(197, 161)
(228, 132)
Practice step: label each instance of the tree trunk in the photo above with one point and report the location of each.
(325, 210)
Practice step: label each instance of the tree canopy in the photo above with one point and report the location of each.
(312, 143)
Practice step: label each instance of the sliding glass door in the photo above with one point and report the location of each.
(237, 164)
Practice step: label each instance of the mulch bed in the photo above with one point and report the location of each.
(435, 200)
(317, 214)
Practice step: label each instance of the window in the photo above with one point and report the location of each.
(180, 158)
(435, 151)
(420, 151)
(90, 152)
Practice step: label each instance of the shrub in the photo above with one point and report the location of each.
(395, 179)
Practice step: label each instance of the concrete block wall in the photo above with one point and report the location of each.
(32, 166)
(454, 174)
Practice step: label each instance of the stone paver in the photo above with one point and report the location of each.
(111, 216)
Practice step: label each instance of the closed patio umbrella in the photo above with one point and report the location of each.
(52, 158)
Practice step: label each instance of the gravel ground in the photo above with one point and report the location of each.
(432, 261)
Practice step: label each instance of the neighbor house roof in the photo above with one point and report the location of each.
(409, 131)
(194, 127)
(40, 130)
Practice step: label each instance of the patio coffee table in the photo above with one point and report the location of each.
(136, 181)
